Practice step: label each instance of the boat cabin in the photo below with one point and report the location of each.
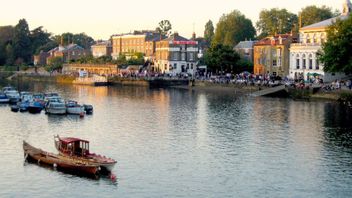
(72, 146)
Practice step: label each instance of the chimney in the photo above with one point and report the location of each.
(194, 36)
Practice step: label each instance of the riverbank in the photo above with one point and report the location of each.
(196, 85)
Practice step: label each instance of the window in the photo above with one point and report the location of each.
(304, 62)
(310, 61)
(297, 62)
(175, 65)
(174, 57)
(274, 62)
(183, 56)
(317, 64)
(191, 56)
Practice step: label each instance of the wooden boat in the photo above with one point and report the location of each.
(59, 161)
(79, 149)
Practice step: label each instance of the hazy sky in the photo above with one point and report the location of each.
(102, 18)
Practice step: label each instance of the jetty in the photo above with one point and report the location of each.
(273, 91)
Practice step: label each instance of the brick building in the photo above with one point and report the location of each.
(68, 53)
(102, 48)
(176, 54)
(271, 55)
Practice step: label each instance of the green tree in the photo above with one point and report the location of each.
(336, 52)
(6, 35)
(22, 42)
(276, 21)
(164, 27)
(81, 39)
(233, 28)
(222, 58)
(55, 63)
(10, 55)
(209, 32)
(313, 14)
(39, 38)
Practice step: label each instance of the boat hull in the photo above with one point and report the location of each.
(59, 161)
(4, 100)
(75, 110)
(32, 109)
(56, 111)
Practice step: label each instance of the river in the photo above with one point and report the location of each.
(181, 143)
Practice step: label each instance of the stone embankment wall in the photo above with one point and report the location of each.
(127, 81)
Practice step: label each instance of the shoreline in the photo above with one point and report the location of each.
(199, 86)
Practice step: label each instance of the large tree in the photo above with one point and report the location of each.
(222, 58)
(81, 39)
(22, 43)
(164, 27)
(276, 21)
(313, 14)
(209, 32)
(336, 53)
(39, 38)
(233, 28)
(6, 34)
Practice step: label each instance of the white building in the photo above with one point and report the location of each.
(304, 61)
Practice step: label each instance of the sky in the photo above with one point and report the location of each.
(102, 18)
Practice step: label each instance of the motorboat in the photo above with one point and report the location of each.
(72, 107)
(6, 89)
(59, 161)
(13, 95)
(88, 108)
(79, 149)
(26, 96)
(23, 106)
(14, 108)
(35, 107)
(3, 98)
(57, 108)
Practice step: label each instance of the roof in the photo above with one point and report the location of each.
(273, 40)
(68, 140)
(245, 44)
(66, 48)
(324, 24)
(175, 37)
(103, 43)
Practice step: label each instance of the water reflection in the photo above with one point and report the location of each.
(216, 144)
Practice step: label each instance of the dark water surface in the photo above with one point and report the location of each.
(180, 143)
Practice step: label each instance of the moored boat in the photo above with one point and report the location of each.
(13, 95)
(3, 98)
(79, 149)
(14, 108)
(88, 108)
(23, 106)
(35, 107)
(55, 105)
(72, 107)
(59, 161)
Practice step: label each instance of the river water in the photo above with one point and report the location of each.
(181, 143)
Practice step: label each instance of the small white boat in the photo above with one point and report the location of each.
(72, 107)
(55, 106)
(3, 98)
(13, 95)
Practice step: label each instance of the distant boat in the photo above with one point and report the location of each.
(79, 149)
(35, 107)
(3, 98)
(72, 107)
(13, 95)
(23, 106)
(88, 108)
(55, 105)
(59, 161)
(14, 108)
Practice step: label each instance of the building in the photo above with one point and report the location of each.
(102, 48)
(137, 42)
(304, 63)
(68, 53)
(176, 54)
(271, 55)
(99, 69)
(246, 50)
(40, 59)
